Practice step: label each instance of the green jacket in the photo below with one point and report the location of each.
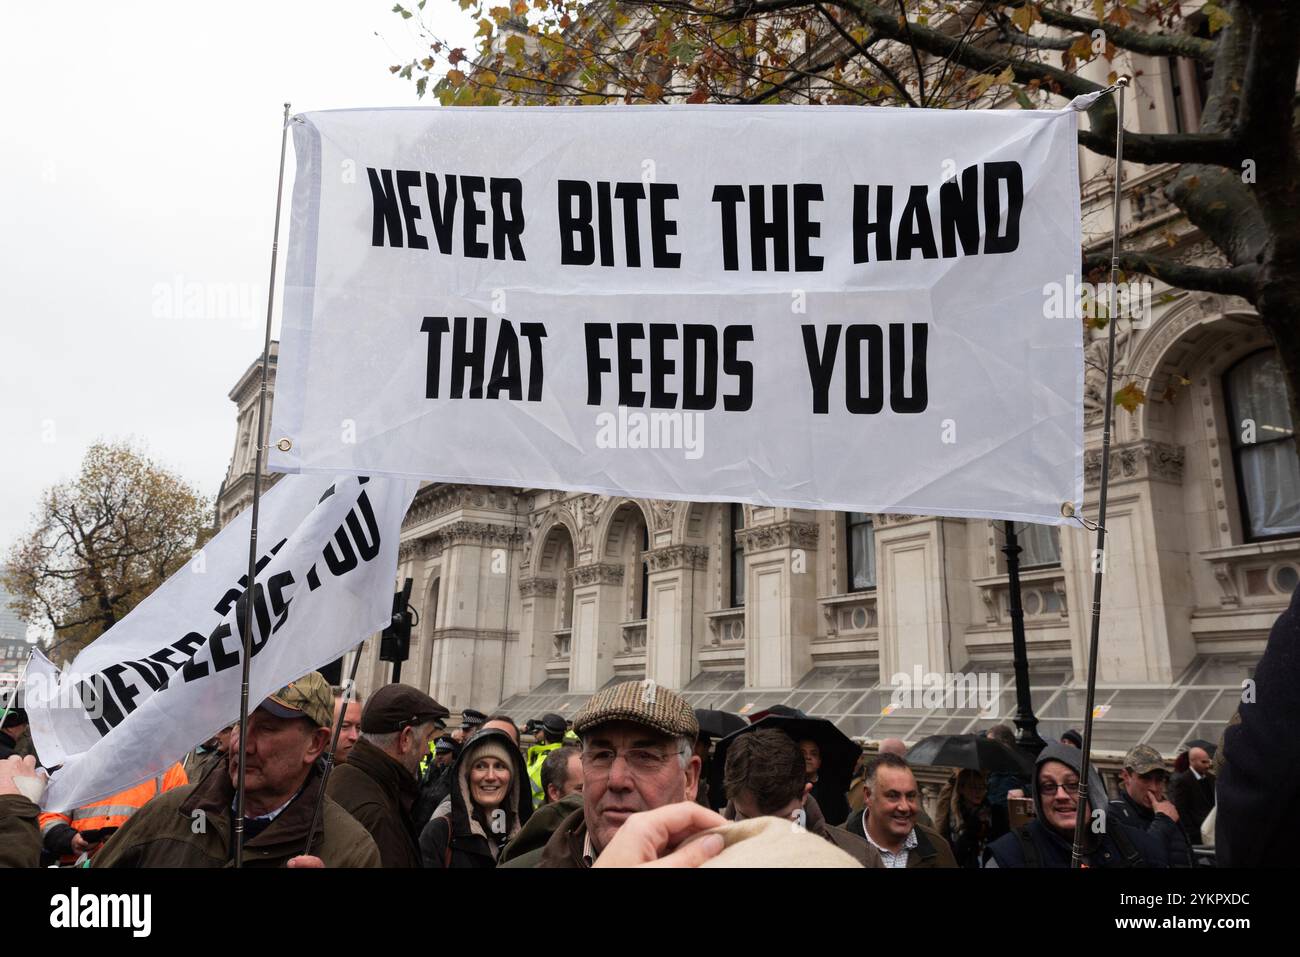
(379, 792)
(20, 839)
(526, 849)
(192, 827)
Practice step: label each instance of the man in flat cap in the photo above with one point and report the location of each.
(637, 754)
(379, 784)
(1142, 803)
(193, 826)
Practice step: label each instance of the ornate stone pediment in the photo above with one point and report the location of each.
(602, 573)
(537, 587)
(780, 535)
(1144, 459)
(677, 556)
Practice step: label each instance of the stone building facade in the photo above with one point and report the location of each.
(532, 599)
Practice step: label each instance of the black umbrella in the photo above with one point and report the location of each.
(839, 752)
(973, 751)
(719, 724)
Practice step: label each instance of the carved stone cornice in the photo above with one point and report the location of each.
(434, 500)
(1134, 461)
(477, 533)
(537, 587)
(601, 573)
(885, 521)
(779, 535)
(417, 548)
(672, 557)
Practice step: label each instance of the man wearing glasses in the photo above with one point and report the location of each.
(637, 755)
(1143, 803)
(1046, 841)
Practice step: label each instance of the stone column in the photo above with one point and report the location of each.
(1147, 597)
(536, 631)
(780, 601)
(597, 617)
(678, 586)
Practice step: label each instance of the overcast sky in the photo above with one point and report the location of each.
(138, 155)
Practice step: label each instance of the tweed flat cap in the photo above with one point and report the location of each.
(641, 702)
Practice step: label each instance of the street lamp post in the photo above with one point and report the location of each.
(1026, 723)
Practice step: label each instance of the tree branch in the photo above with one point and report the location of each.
(1231, 280)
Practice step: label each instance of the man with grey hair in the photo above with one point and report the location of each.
(351, 727)
(637, 754)
(378, 784)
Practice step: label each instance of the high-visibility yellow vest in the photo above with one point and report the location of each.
(536, 758)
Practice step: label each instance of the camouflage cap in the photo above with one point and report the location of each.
(641, 702)
(308, 697)
(1144, 759)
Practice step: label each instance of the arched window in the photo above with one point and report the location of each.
(737, 558)
(860, 550)
(1263, 446)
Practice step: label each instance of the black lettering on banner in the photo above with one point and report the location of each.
(472, 358)
(597, 364)
(97, 702)
(507, 227)
(164, 657)
(154, 676)
(582, 253)
(604, 213)
(367, 539)
(442, 214)
(661, 366)
(628, 366)
(854, 399)
(387, 216)
(408, 179)
(729, 197)
(505, 365)
(920, 397)
(275, 587)
(630, 194)
(732, 365)
(806, 228)
(1013, 176)
(661, 227)
(340, 565)
(761, 229)
(534, 333)
(959, 213)
(472, 216)
(694, 337)
(313, 579)
(223, 660)
(192, 669)
(915, 231)
(821, 364)
(864, 227)
(125, 690)
(435, 326)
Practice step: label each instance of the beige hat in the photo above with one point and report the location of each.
(641, 702)
(1144, 759)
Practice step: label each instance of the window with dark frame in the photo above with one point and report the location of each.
(1263, 446)
(645, 572)
(860, 551)
(737, 522)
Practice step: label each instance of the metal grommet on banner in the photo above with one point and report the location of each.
(284, 445)
(1067, 509)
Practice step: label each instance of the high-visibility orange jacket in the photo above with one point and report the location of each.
(113, 811)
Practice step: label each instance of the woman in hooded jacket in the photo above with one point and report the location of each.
(965, 816)
(490, 801)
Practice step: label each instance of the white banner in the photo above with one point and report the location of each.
(166, 677)
(841, 307)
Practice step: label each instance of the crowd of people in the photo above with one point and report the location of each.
(401, 790)
(332, 781)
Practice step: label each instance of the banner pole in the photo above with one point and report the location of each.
(1099, 554)
(348, 689)
(249, 597)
